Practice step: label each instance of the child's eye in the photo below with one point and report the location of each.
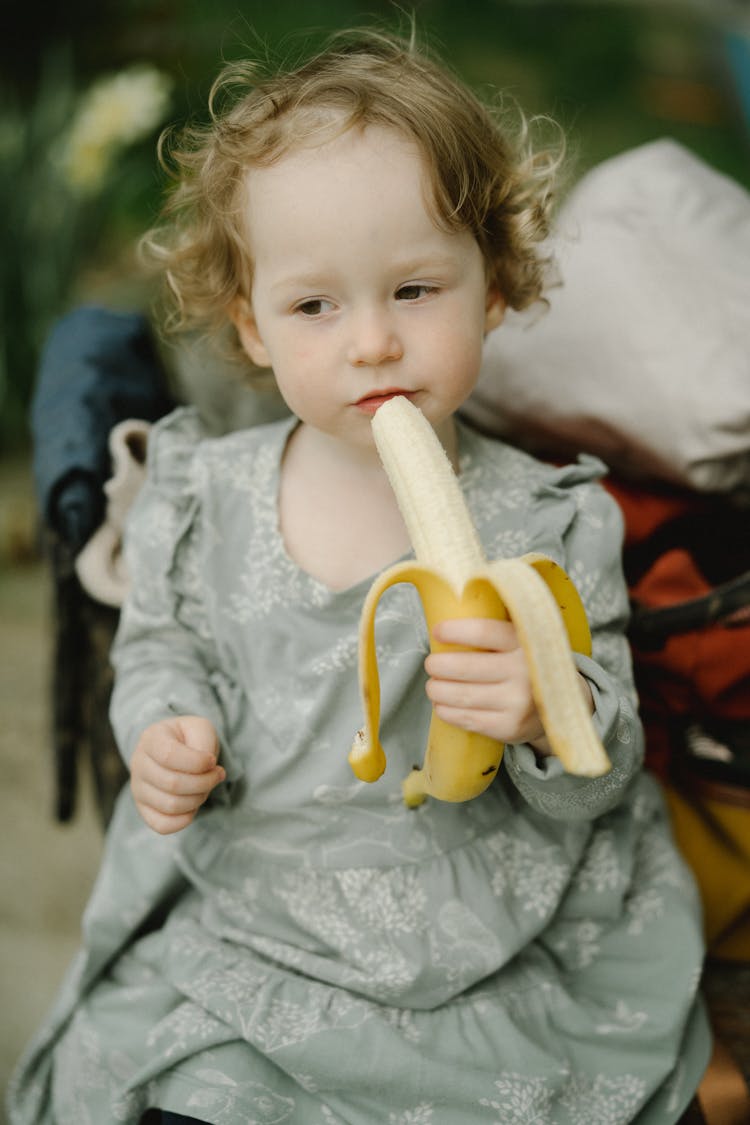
(413, 292)
(315, 306)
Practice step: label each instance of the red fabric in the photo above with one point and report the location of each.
(645, 510)
(696, 675)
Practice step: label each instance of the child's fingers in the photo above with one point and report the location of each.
(486, 692)
(477, 632)
(474, 667)
(465, 696)
(170, 804)
(167, 745)
(479, 722)
(173, 770)
(197, 733)
(518, 722)
(168, 810)
(162, 823)
(178, 782)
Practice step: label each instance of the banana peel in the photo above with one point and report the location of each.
(454, 580)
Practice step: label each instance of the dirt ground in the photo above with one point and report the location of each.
(46, 869)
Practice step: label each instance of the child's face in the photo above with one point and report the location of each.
(357, 294)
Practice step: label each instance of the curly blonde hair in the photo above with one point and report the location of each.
(485, 178)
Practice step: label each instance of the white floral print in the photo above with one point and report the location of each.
(311, 952)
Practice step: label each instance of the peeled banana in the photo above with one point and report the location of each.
(454, 580)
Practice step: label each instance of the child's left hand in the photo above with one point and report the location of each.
(488, 691)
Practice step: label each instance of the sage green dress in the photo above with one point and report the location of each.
(309, 950)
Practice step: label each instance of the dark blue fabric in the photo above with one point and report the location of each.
(168, 1118)
(98, 368)
(164, 1117)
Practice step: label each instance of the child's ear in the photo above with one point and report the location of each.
(242, 317)
(494, 309)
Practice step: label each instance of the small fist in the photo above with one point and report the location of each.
(173, 770)
(487, 689)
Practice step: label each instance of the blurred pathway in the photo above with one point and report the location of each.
(46, 870)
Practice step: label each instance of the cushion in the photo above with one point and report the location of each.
(643, 355)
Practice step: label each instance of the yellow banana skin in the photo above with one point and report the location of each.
(533, 592)
(451, 772)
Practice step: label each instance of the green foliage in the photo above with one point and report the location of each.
(67, 173)
(38, 234)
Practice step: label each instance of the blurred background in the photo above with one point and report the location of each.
(84, 92)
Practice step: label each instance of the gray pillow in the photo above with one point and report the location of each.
(643, 357)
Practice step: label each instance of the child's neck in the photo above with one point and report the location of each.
(339, 518)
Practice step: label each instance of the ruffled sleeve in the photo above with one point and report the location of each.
(163, 654)
(581, 527)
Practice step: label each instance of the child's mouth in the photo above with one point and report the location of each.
(370, 403)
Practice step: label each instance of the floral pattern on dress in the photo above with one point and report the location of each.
(523, 865)
(307, 927)
(571, 1099)
(600, 871)
(221, 1098)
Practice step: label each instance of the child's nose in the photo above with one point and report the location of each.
(374, 339)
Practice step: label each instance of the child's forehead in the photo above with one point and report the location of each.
(357, 155)
(337, 139)
(364, 186)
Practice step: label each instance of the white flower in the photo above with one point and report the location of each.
(115, 112)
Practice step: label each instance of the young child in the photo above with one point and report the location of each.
(271, 940)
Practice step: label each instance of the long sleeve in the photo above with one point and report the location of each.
(163, 655)
(587, 541)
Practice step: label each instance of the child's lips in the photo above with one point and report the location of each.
(368, 404)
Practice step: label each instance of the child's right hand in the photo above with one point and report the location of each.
(173, 770)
